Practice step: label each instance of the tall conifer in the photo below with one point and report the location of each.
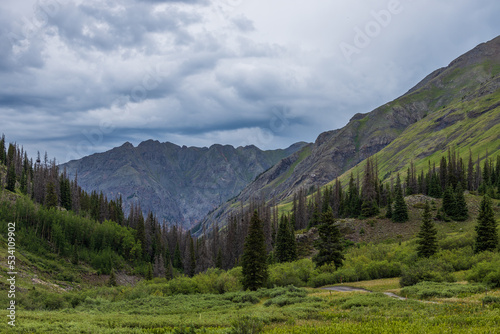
(400, 212)
(486, 228)
(254, 258)
(11, 177)
(286, 249)
(329, 245)
(461, 210)
(427, 241)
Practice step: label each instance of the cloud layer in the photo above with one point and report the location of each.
(78, 77)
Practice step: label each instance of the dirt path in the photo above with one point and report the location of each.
(351, 289)
(345, 289)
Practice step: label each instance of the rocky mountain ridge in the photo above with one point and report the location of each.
(178, 184)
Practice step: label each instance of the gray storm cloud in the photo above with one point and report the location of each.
(78, 77)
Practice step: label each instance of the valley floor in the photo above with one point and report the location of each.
(280, 310)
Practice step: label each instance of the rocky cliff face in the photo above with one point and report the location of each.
(178, 184)
(472, 75)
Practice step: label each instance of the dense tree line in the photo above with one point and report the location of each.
(92, 228)
(54, 214)
(365, 194)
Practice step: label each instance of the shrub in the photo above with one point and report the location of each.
(425, 290)
(487, 271)
(491, 300)
(461, 240)
(247, 325)
(427, 269)
(291, 273)
(242, 297)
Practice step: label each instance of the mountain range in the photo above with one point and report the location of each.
(455, 106)
(179, 184)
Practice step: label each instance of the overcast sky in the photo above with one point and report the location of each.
(79, 77)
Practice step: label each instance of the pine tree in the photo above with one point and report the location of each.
(51, 196)
(470, 173)
(286, 249)
(149, 272)
(192, 258)
(486, 228)
(449, 202)
(461, 210)
(141, 234)
(254, 258)
(400, 212)
(353, 203)
(11, 178)
(427, 241)
(329, 245)
(369, 194)
(169, 268)
(218, 259)
(388, 213)
(177, 262)
(3, 154)
(65, 191)
(434, 186)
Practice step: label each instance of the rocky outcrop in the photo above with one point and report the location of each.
(179, 184)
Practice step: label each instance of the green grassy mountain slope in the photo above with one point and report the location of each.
(453, 106)
(178, 184)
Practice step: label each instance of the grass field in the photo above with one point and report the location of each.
(278, 310)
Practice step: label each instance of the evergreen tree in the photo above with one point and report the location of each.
(461, 210)
(65, 191)
(141, 234)
(369, 209)
(11, 178)
(388, 213)
(3, 154)
(218, 259)
(177, 263)
(329, 245)
(449, 202)
(470, 173)
(400, 212)
(486, 228)
(24, 182)
(286, 248)
(369, 194)
(254, 258)
(315, 215)
(353, 204)
(149, 272)
(434, 186)
(192, 258)
(427, 241)
(51, 196)
(169, 268)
